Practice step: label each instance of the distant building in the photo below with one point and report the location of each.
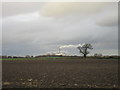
(56, 54)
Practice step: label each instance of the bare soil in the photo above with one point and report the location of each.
(65, 73)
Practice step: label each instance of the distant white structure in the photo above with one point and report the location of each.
(56, 53)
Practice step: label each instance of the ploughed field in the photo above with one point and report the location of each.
(60, 73)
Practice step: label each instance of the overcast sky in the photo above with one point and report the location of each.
(38, 28)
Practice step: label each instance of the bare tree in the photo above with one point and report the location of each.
(84, 49)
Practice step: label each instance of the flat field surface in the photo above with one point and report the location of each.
(60, 73)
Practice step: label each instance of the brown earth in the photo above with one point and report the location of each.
(71, 73)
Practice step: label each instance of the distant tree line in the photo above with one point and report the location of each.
(40, 56)
(27, 56)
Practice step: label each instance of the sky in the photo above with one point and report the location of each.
(35, 28)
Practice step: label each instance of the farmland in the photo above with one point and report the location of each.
(59, 73)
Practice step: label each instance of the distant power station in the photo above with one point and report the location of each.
(61, 53)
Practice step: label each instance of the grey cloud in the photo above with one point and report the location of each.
(16, 8)
(109, 18)
(47, 34)
(108, 21)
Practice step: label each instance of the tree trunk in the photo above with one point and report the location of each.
(84, 55)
